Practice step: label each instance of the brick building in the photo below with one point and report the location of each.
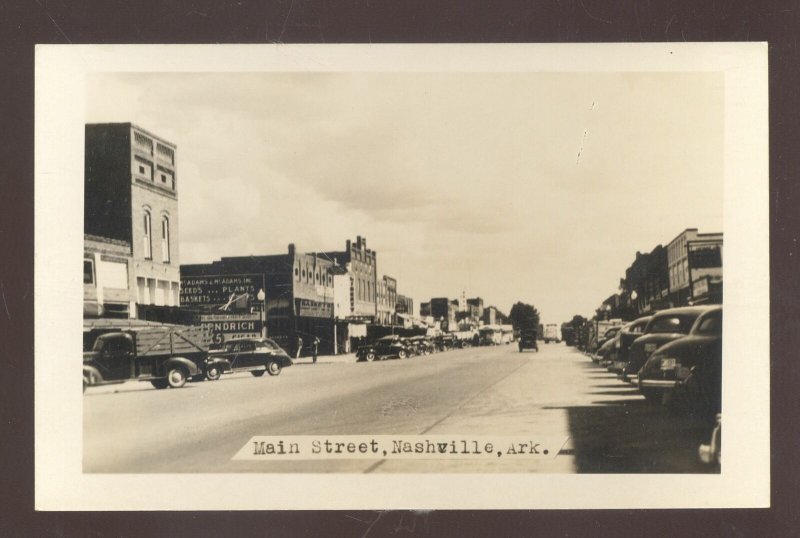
(361, 263)
(695, 257)
(477, 303)
(107, 284)
(131, 195)
(387, 301)
(444, 310)
(299, 289)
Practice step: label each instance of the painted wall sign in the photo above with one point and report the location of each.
(226, 327)
(217, 290)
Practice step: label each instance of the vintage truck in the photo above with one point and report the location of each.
(165, 356)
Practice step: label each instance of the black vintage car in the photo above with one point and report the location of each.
(254, 355)
(691, 366)
(603, 355)
(665, 326)
(386, 347)
(421, 345)
(622, 343)
(366, 353)
(527, 340)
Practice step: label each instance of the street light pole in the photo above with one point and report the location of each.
(262, 297)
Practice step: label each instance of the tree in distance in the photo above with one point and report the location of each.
(524, 316)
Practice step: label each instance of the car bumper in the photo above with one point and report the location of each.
(657, 383)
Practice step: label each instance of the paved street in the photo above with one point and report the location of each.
(477, 391)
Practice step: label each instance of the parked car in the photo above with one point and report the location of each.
(366, 353)
(254, 355)
(422, 345)
(449, 341)
(665, 326)
(692, 365)
(610, 334)
(603, 355)
(392, 346)
(622, 343)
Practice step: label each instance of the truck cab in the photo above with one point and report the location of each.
(115, 359)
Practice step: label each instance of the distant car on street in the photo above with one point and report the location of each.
(552, 333)
(691, 366)
(254, 355)
(664, 327)
(527, 340)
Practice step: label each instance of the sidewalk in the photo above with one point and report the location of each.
(343, 358)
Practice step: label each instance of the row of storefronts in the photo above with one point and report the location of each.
(687, 271)
(132, 266)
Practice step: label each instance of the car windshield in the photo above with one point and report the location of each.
(671, 324)
(636, 328)
(709, 325)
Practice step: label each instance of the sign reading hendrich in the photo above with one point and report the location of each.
(217, 290)
(226, 327)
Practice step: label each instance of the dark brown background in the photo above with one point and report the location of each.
(22, 24)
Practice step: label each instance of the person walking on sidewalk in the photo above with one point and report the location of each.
(315, 349)
(299, 346)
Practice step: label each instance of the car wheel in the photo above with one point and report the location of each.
(213, 372)
(257, 373)
(159, 383)
(176, 377)
(274, 368)
(402, 354)
(370, 356)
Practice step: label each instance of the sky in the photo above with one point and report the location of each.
(535, 187)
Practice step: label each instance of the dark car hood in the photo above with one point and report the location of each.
(606, 348)
(691, 349)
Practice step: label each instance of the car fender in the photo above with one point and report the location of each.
(224, 363)
(189, 365)
(92, 375)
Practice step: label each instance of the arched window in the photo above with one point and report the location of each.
(165, 239)
(148, 241)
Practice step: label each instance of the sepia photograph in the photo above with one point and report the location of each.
(463, 264)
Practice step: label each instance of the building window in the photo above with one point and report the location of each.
(143, 141)
(143, 168)
(165, 240)
(304, 272)
(297, 272)
(88, 271)
(148, 243)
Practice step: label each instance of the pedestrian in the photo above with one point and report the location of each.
(299, 346)
(315, 349)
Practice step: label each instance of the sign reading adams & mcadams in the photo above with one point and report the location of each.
(217, 290)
